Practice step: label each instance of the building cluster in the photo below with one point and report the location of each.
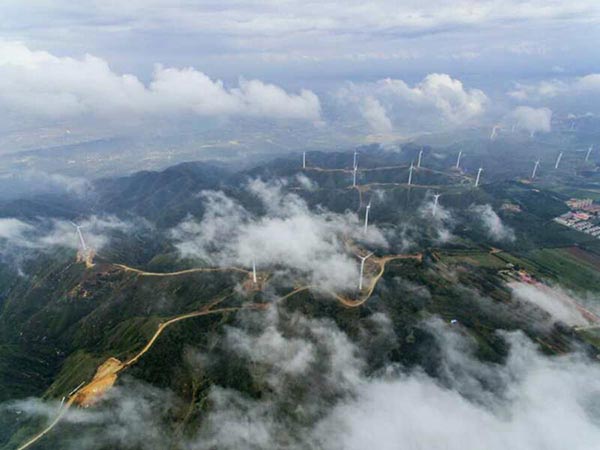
(582, 216)
(579, 203)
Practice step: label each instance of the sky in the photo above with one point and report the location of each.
(381, 68)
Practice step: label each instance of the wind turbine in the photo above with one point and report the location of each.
(81, 240)
(419, 158)
(354, 176)
(478, 176)
(435, 203)
(355, 164)
(254, 279)
(458, 159)
(304, 160)
(367, 216)
(494, 132)
(589, 152)
(362, 269)
(558, 160)
(410, 171)
(535, 168)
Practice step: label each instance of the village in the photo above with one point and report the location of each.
(582, 217)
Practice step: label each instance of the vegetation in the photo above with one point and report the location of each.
(58, 324)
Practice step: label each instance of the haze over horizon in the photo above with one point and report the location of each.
(378, 71)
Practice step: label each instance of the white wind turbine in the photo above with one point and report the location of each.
(494, 132)
(478, 176)
(362, 269)
(419, 158)
(81, 239)
(410, 171)
(435, 203)
(560, 155)
(354, 176)
(535, 168)
(355, 163)
(458, 159)
(589, 152)
(367, 216)
(254, 279)
(304, 160)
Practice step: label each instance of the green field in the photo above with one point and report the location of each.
(567, 269)
(480, 259)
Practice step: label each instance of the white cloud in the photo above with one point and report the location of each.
(15, 184)
(549, 89)
(38, 84)
(530, 401)
(327, 400)
(437, 101)
(289, 235)
(492, 223)
(376, 116)
(11, 228)
(306, 183)
(16, 235)
(554, 301)
(544, 403)
(438, 218)
(95, 230)
(532, 120)
(272, 20)
(580, 95)
(442, 92)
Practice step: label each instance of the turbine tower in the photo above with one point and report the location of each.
(458, 159)
(558, 160)
(589, 152)
(494, 132)
(355, 165)
(80, 234)
(410, 171)
(419, 158)
(304, 160)
(367, 216)
(535, 168)
(362, 270)
(254, 279)
(435, 203)
(354, 176)
(478, 176)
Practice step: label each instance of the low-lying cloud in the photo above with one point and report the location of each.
(289, 235)
(438, 218)
(556, 302)
(532, 120)
(492, 224)
(18, 237)
(317, 394)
